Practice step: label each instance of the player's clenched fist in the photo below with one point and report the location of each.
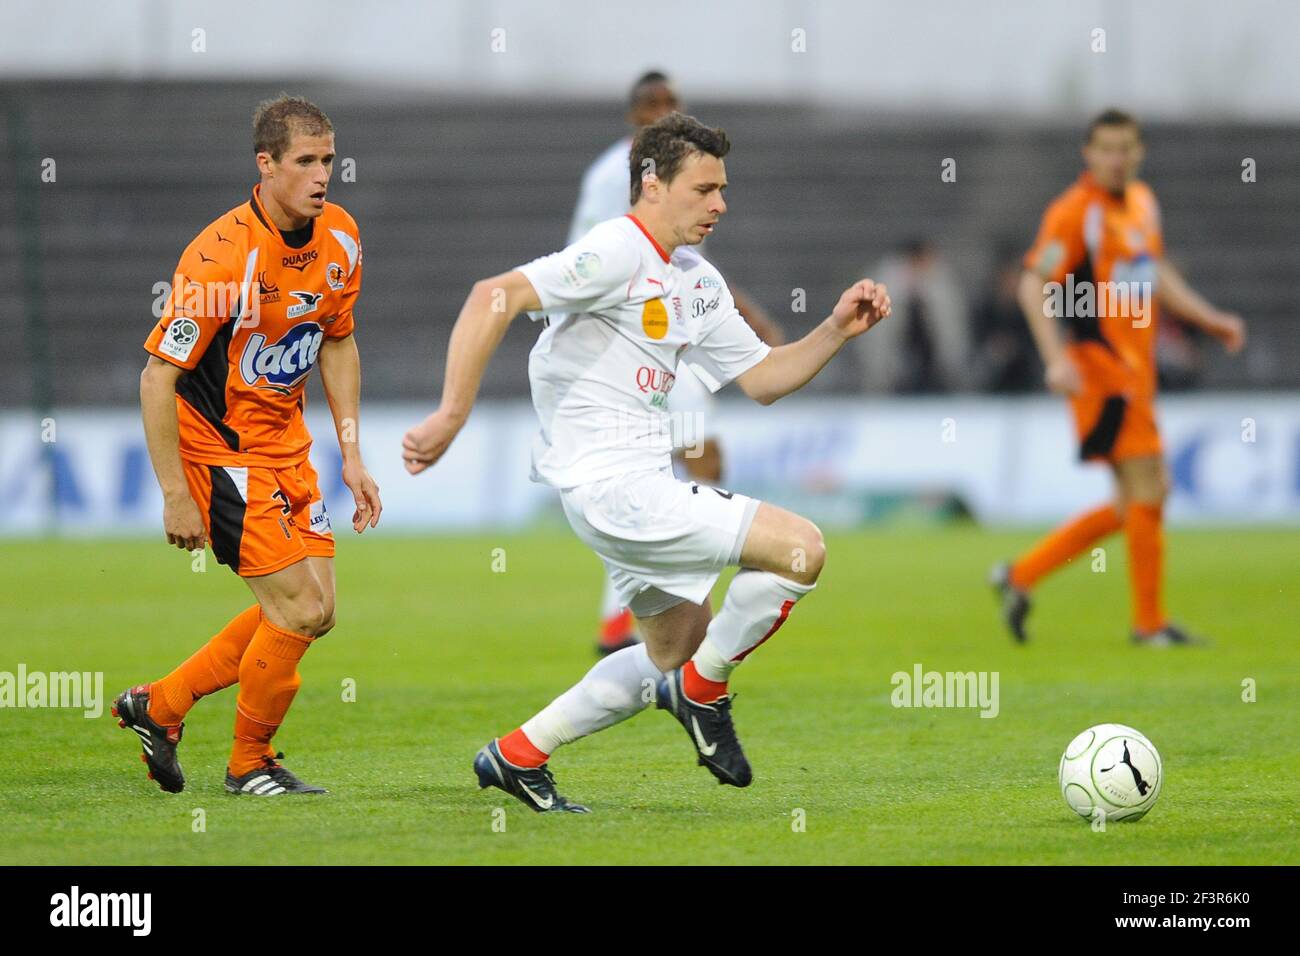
(862, 305)
(424, 444)
(183, 522)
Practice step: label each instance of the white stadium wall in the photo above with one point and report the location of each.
(1161, 58)
(1235, 458)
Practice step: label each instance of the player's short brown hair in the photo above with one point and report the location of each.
(664, 145)
(275, 121)
(1112, 117)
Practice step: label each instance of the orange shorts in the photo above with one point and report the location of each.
(1114, 413)
(260, 520)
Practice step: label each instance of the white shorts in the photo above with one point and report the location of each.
(693, 409)
(663, 541)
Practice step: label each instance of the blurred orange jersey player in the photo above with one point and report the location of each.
(1098, 252)
(1099, 265)
(262, 296)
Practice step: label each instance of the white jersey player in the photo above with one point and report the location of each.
(604, 195)
(622, 321)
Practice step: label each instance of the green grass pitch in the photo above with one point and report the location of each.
(446, 653)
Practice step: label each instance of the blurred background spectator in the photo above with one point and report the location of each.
(1004, 359)
(925, 347)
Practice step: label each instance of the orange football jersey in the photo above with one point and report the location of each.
(249, 309)
(1091, 237)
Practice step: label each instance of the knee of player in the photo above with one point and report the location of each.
(669, 659)
(328, 624)
(1163, 487)
(810, 554)
(323, 620)
(1149, 494)
(327, 615)
(1154, 497)
(309, 616)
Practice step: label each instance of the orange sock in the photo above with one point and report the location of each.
(701, 689)
(268, 681)
(519, 750)
(213, 666)
(1146, 554)
(1063, 544)
(617, 628)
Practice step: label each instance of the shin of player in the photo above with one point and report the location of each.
(222, 394)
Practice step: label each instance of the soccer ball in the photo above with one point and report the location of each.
(1110, 772)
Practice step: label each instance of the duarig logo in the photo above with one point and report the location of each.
(284, 364)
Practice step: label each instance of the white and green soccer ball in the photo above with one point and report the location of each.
(1111, 772)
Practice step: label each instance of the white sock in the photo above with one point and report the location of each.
(756, 604)
(610, 605)
(619, 686)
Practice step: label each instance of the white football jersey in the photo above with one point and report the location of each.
(622, 314)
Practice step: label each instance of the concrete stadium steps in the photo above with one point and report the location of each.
(448, 192)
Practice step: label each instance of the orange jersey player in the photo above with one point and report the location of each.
(1099, 265)
(262, 296)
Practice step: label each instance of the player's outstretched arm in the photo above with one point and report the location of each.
(488, 311)
(789, 368)
(1059, 372)
(181, 518)
(340, 374)
(1184, 302)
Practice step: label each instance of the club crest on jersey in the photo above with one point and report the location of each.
(285, 363)
(334, 276)
(307, 302)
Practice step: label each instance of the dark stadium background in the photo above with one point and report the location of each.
(450, 189)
